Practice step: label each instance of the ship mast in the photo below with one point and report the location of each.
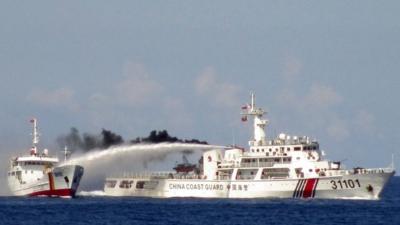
(35, 136)
(66, 153)
(259, 124)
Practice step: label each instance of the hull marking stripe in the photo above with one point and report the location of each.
(295, 190)
(315, 188)
(309, 188)
(300, 194)
(298, 191)
(305, 188)
(299, 188)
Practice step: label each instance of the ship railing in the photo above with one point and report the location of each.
(338, 172)
(372, 170)
(252, 164)
(245, 177)
(160, 175)
(187, 176)
(259, 164)
(145, 175)
(228, 166)
(224, 177)
(359, 171)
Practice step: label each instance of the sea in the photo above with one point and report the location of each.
(97, 209)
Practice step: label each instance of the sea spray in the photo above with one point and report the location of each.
(160, 148)
(100, 163)
(94, 193)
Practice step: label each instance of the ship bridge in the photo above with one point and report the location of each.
(35, 160)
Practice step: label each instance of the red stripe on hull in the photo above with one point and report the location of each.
(308, 190)
(55, 193)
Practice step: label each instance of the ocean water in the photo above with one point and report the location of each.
(129, 210)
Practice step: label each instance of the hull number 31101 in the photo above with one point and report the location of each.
(342, 184)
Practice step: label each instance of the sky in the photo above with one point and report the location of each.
(326, 69)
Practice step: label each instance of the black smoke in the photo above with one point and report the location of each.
(163, 136)
(74, 141)
(86, 142)
(110, 139)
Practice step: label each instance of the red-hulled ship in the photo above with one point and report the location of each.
(38, 174)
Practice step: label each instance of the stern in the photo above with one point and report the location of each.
(63, 181)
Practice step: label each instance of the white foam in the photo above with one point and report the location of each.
(357, 198)
(92, 193)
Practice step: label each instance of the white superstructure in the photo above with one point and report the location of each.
(284, 167)
(38, 174)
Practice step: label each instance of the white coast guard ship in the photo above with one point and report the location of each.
(37, 174)
(285, 167)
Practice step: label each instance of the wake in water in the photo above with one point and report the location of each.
(92, 193)
(161, 148)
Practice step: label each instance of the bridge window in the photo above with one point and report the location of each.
(275, 173)
(111, 183)
(126, 184)
(287, 159)
(246, 174)
(146, 184)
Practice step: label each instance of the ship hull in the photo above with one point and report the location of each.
(62, 181)
(357, 186)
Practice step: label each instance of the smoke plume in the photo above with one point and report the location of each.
(163, 136)
(86, 142)
(106, 139)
